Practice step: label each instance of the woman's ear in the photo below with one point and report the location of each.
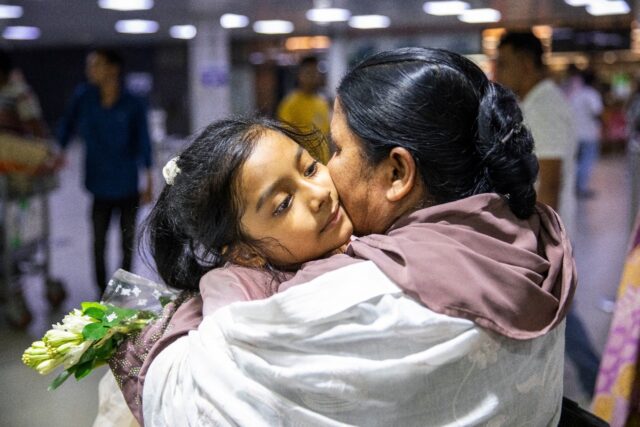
(246, 256)
(402, 173)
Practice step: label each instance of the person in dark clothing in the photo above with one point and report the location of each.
(113, 126)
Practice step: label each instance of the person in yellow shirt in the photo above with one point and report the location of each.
(304, 108)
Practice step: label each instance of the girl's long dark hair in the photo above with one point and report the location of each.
(464, 132)
(199, 214)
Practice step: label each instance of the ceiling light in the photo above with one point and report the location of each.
(443, 8)
(611, 7)
(231, 20)
(477, 16)
(7, 11)
(136, 26)
(328, 14)
(21, 33)
(578, 3)
(274, 26)
(365, 22)
(126, 4)
(184, 32)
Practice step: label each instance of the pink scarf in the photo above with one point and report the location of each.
(474, 259)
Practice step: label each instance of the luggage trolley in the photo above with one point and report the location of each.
(25, 245)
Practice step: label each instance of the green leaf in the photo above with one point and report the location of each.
(106, 350)
(164, 300)
(116, 316)
(92, 304)
(88, 355)
(60, 379)
(83, 369)
(94, 312)
(94, 331)
(125, 313)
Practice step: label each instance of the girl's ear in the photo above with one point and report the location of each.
(245, 256)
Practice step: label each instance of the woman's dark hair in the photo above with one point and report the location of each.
(464, 132)
(198, 215)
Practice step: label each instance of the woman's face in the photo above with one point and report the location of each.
(362, 187)
(290, 202)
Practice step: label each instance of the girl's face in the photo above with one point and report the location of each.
(290, 202)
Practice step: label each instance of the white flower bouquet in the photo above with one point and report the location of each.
(84, 340)
(87, 337)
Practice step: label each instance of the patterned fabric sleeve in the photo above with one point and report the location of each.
(617, 393)
(128, 290)
(128, 363)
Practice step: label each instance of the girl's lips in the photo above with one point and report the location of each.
(333, 219)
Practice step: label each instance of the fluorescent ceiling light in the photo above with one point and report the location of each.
(274, 26)
(443, 8)
(328, 14)
(365, 22)
(185, 32)
(231, 20)
(126, 4)
(578, 3)
(21, 33)
(136, 26)
(477, 16)
(612, 7)
(7, 11)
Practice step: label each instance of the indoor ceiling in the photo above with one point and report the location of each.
(81, 22)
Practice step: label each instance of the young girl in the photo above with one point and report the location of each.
(246, 196)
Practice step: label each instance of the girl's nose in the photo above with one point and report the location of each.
(319, 197)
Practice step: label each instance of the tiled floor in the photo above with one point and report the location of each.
(24, 400)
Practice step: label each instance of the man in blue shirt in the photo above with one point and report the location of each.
(113, 125)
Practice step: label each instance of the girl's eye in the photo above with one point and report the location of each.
(311, 170)
(283, 206)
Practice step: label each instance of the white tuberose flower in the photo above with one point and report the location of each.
(63, 344)
(171, 170)
(74, 322)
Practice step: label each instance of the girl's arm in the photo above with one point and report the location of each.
(232, 283)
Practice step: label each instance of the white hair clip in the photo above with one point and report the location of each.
(171, 170)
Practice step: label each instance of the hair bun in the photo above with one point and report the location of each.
(505, 146)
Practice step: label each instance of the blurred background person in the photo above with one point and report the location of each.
(20, 110)
(21, 157)
(305, 107)
(113, 126)
(586, 104)
(548, 115)
(519, 67)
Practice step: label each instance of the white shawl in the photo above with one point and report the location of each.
(349, 348)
